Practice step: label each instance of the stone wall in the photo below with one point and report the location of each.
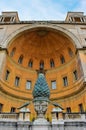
(61, 125)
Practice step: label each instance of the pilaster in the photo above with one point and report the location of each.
(2, 60)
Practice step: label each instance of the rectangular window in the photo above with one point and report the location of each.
(53, 84)
(1, 107)
(17, 79)
(13, 109)
(7, 75)
(81, 108)
(28, 84)
(68, 110)
(65, 81)
(75, 75)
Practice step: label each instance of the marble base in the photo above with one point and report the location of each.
(41, 124)
(42, 121)
(41, 127)
(61, 125)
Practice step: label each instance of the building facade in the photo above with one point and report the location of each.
(58, 47)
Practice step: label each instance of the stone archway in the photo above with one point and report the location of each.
(64, 31)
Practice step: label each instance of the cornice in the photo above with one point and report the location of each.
(9, 92)
(78, 89)
(4, 49)
(43, 22)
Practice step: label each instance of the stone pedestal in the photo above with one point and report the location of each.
(58, 126)
(7, 125)
(41, 127)
(41, 124)
(55, 112)
(24, 115)
(21, 125)
(54, 117)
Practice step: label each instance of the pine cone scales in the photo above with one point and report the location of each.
(41, 88)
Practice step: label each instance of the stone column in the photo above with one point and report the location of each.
(82, 62)
(2, 61)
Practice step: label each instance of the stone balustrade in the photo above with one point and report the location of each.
(18, 121)
(17, 116)
(73, 116)
(21, 116)
(9, 116)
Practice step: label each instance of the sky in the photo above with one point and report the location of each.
(43, 9)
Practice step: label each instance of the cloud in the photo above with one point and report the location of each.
(34, 9)
(42, 9)
(81, 6)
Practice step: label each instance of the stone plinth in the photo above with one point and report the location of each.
(41, 127)
(41, 124)
(56, 111)
(23, 125)
(24, 114)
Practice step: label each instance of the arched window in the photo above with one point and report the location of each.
(68, 109)
(13, 109)
(52, 63)
(41, 64)
(81, 107)
(62, 59)
(7, 74)
(17, 80)
(1, 107)
(53, 84)
(12, 52)
(28, 84)
(20, 59)
(30, 64)
(65, 81)
(70, 52)
(75, 74)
